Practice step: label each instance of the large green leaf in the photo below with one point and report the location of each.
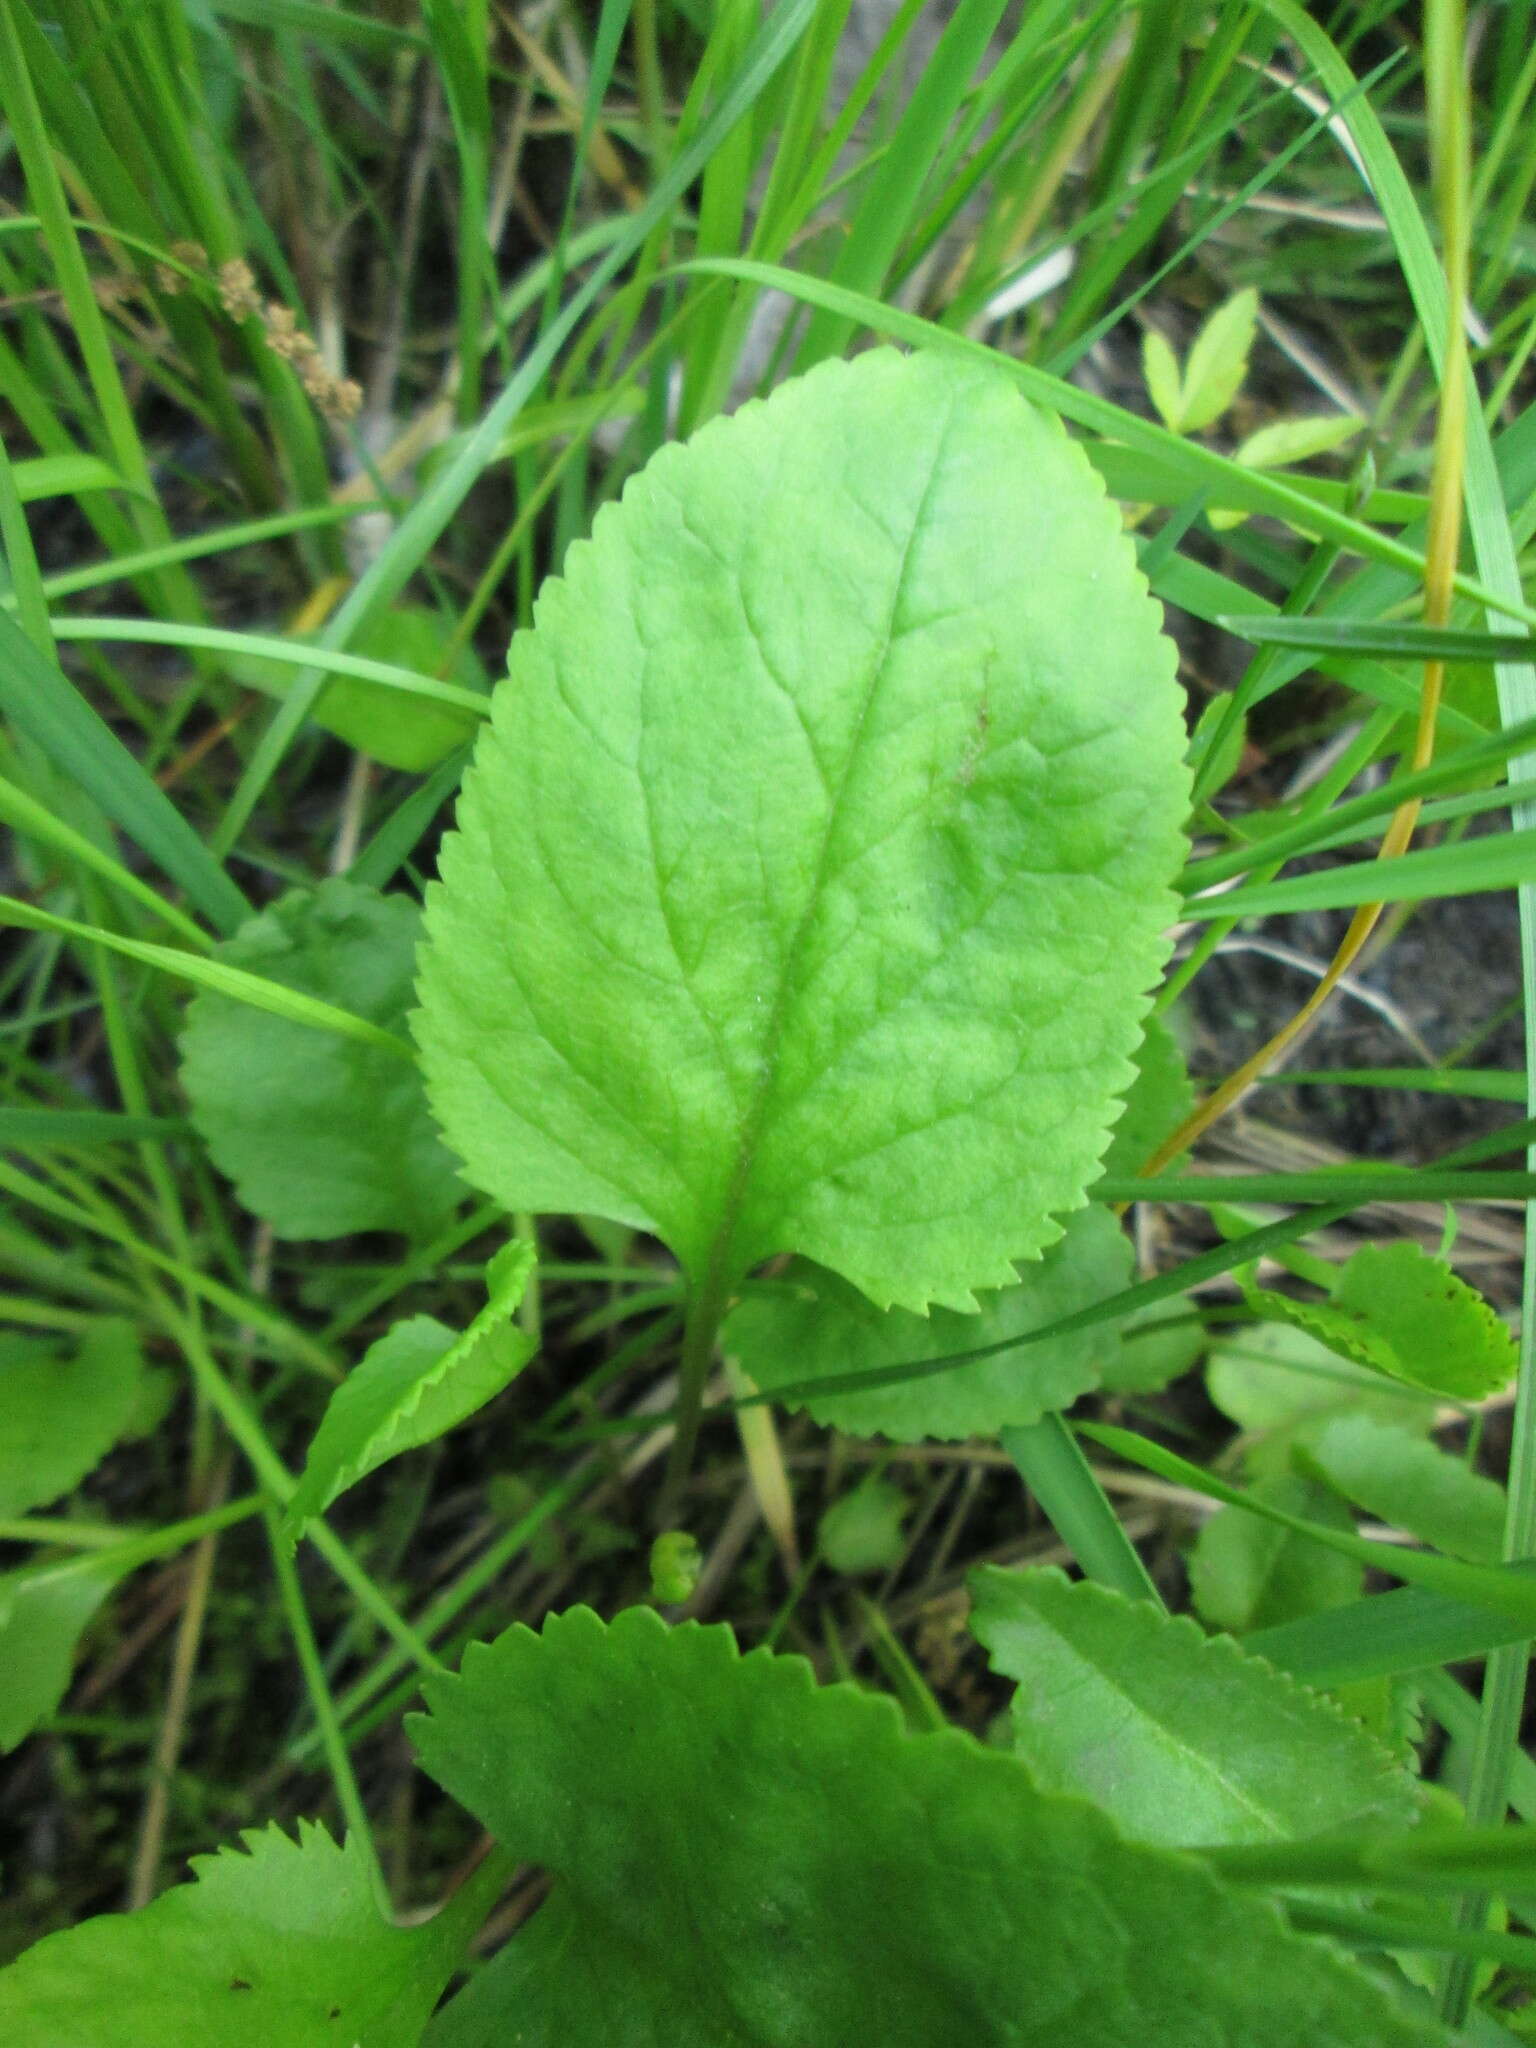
(813, 869)
(62, 1410)
(322, 1136)
(743, 1861)
(419, 1380)
(280, 1947)
(1182, 1737)
(815, 1325)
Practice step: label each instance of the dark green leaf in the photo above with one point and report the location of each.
(322, 1136)
(742, 1861)
(282, 1946)
(814, 1324)
(62, 1409)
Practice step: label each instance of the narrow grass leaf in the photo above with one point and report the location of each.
(1051, 1463)
(1402, 642)
(43, 704)
(1389, 1634)
(254, 991)
(1503, 860)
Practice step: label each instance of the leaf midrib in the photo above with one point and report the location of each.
(721, 1272)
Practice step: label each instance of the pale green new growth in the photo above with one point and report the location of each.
(862, 1532)
(1408, 1483)
(811, 876)
(743, 1861)
(676, 1560)
(322, 1135)
(1182, 1737)
(1213, 372)
(815, 1326)
(1248, 1573)
(1274, 1379)
(281, 1946)
(62, 1411)
(414, 1385)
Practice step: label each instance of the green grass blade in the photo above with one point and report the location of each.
(36, 1130)
(389, 572)
(271, 647)
(1052, 1466)
(1480, 1585)
(1402, 643)
(1503, 860)
(41, 702)
(1387, 1635)
(224, 980)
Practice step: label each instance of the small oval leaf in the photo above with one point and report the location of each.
(322, 1136)
(1406, 1315)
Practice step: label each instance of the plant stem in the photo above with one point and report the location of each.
(302, 1632)
(701, 1326)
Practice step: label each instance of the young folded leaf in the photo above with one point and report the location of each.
(815, 1326)
(1403, 1313)
(282, 1946)
(811, 875)
(414, 1385)
(744, 1861)
(321, 1135)
(1184, 1738)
